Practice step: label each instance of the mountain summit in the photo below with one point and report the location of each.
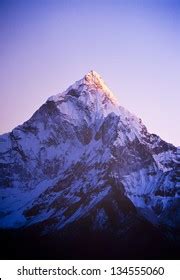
(90, 83)
(84, 168)
(94, 79)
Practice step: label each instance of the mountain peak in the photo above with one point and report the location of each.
(93, 78)
(92, 75)
(92, 83)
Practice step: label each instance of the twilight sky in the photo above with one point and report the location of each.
(46, 45)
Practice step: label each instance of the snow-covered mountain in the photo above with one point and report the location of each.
(83, 162)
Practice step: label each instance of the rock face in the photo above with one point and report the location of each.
(82, 166)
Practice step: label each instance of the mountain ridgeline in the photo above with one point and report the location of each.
(83, 178)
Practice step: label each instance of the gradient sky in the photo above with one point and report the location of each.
(46, 45)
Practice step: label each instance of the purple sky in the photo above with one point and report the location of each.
(45, 45)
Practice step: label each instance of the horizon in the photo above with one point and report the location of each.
(134, 46)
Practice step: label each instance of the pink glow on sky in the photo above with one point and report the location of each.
(134, 45)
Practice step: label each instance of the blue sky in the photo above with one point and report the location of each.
(134, 45)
